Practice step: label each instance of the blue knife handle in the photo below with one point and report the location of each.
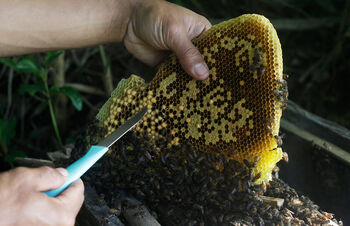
(79, 167)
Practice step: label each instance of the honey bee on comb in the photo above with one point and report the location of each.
(225, 114)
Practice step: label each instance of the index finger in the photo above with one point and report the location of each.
(42, 178)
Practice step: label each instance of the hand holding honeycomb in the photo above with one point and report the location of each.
(234, 113)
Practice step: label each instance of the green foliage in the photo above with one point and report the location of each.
(7, 133)
(51, 57)
(31, 65)
(70, 92)
(8, 62)
(31, 89)
(179, 2)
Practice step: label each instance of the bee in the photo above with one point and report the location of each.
(283, 82)
(148, 155)
(247, 163)
(114, 211)
(269, 123)
(285, 156)
(256, 60)
(285, 94)
(284, 105)
(261, 71)
(256, 159)
(199, 207)
(200, 158)
(279, 141)
(233, 191)
(278, 93)
(163, 159)
(256, 177)
(276, 169)
(263, 186)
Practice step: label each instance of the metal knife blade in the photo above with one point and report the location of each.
(124, 128)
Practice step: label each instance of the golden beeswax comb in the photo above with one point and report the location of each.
(235, 112)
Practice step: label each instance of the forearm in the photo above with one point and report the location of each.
(29, 26)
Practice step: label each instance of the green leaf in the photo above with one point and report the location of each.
(70, 92)
(179, 2)
(347, 33)
(51, 57)
(29, 65)
(8, 62)
(7, 131)
(10, 158)
(31, 89)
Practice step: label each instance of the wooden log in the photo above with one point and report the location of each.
(329, 136)
(137, 214)
(327, 146)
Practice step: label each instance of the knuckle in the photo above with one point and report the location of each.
(21, 176)
(20, 170)
(50, 173)
(173, 31)
(48, 170)
(205, 21)
(20, 173)
(174, 28)
(190, 52)
(45, 168)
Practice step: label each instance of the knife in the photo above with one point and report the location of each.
(79, 167)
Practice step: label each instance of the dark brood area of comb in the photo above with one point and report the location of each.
(187, 189)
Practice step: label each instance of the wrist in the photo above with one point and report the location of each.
(124, 12)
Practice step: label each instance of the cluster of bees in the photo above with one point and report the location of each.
(182, 186)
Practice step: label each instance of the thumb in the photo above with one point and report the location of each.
(44, 178)
(189, 57)
(73, 196)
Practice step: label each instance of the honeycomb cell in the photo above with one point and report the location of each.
(235, 112)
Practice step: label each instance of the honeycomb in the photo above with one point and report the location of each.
(234, 113)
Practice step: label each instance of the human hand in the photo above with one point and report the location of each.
(23, 203)
(156, 26)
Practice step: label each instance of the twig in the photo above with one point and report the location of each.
(9, 93)
(60, 100)
(32, 162)
(86, 89)
(108, 81)
(52, 114)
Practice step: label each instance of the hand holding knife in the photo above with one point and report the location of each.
(79, 167)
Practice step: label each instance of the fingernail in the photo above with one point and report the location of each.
(201, 70)
(62, 171)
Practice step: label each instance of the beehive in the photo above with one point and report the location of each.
(235, 112)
